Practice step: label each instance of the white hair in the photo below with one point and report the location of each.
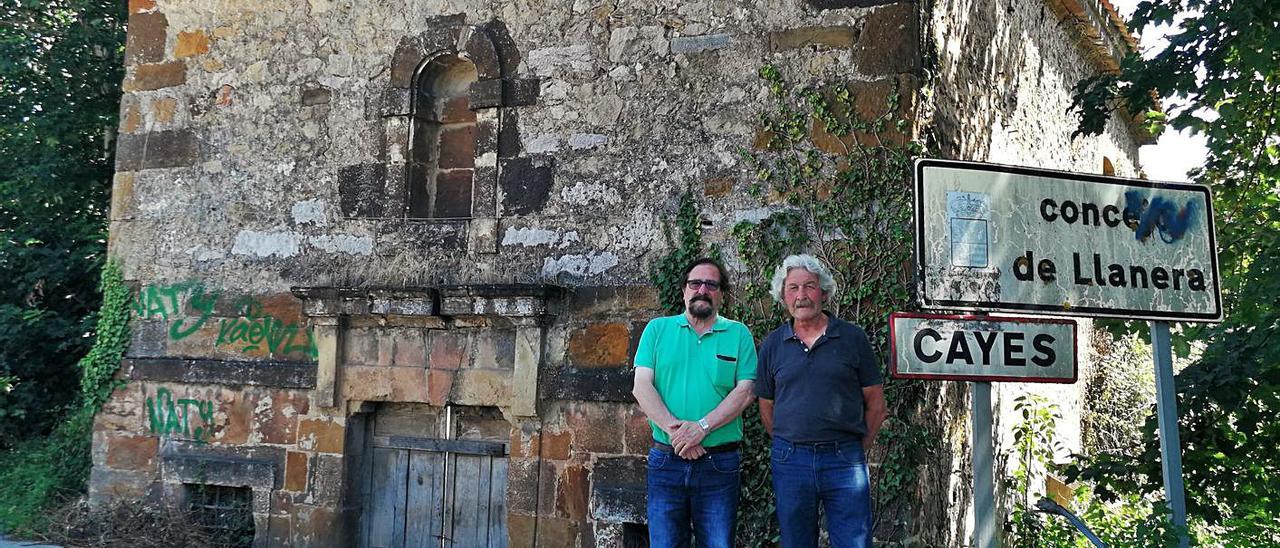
(806, 262)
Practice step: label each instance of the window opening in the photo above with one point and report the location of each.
(442, 140)
(224, 513)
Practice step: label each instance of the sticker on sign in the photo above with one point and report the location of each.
(1005, 238)
(972, 348)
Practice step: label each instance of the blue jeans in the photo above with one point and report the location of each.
(832, 474)
(702, 493)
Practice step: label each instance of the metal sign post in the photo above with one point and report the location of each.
(1167, 415)
(984, 494)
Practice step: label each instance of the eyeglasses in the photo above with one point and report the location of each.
(699, 284)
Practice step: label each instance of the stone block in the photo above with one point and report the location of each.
(327, 479)
(278, 424)
(147, 34)
(485, 94)
(698, 44)
(612, 302)
(482, 387)
(557, 532)
(639, 434)
(456, 110)
(600, 345)
(448, 350)
(520, 530)
(410, 348)
(131, 452)
(572, 492)
(521, 92)
(833, 37)
(321, 436)
(600, 384)
(190, 44)
(458, 147)
(130, 114)
(229, 372)
(453, 194)
(316, 96)
(618, 490)
(531, 486)
(526, 184)
(141, 6)
(156, 150)
(105, 484)
(238, 423)
(439, 386)
(596, 427)
(556, 445)
(889, 43)
(295, 471)
(164, 109)
(480, 51)
(155, 76)
(361, 190)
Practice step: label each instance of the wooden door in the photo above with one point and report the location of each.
(434, 493)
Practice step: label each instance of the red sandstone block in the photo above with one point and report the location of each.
(321, 436)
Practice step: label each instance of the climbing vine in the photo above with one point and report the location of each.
(835, 168)
(99, 366)
(684, 238)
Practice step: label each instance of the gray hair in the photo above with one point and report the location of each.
(806, 262)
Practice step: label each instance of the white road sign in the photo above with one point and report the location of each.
(970, 348)
(994, 237)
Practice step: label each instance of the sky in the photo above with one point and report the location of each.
(1175, 152)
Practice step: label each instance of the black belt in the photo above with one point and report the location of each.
(722, 448)
(823, 446)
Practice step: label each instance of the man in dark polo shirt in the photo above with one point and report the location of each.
(822, 400)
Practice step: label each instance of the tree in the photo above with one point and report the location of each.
(61, 64)
(1219, 76)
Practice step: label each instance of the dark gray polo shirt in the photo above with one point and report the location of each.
(817, 392)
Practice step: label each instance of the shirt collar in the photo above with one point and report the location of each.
(789, 328)
(720, 325)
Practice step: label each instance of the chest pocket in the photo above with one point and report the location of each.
(725, 374)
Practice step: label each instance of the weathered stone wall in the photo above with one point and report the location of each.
(261, 162)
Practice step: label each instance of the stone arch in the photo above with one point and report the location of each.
(502, 180)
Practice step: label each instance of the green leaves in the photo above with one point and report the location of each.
(60, 73)
(1219, 76)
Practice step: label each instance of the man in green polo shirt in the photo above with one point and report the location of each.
(694, 376)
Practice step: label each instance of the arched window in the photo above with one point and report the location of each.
(1107, 168)
(442, 140)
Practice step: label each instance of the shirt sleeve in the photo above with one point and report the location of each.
(747, 355)
(764, 379)
(645, 353)
(868, 366)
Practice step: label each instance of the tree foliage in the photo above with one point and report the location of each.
(1219, 76)
(60, 73)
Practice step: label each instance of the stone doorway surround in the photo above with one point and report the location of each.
(464, 345)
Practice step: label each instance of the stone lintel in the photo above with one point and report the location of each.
(276, 374)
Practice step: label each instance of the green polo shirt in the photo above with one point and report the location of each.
(694, 374)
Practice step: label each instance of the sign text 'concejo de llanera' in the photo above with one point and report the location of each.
(993, 237)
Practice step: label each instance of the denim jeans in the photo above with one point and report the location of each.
(693, 496)
(832, 474)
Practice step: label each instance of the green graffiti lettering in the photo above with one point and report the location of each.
(169, 417)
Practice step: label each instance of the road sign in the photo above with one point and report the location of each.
(971, 348)
(1005, 238)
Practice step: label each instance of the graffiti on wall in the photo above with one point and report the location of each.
(188, 306)
(173, 417)
(255, 330)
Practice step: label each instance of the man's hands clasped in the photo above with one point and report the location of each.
(686, 439)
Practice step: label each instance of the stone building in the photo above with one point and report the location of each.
(391, 261)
